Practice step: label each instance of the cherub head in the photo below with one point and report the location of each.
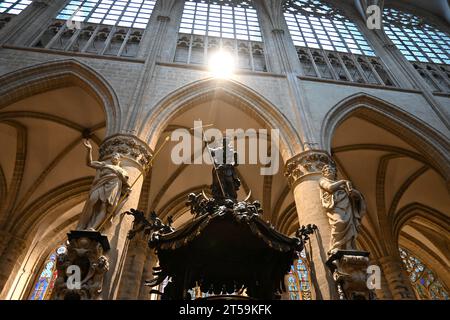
(329, 171)
(115, 158)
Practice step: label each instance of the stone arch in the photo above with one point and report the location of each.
(439, 222)
(413, 210)
(432, 144)
(29, 81)
(232, 91)
(34, 260)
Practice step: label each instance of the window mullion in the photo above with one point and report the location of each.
(56, 37)
(91, 39)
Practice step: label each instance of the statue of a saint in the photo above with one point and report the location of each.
(345, 207)
(225, 181)
(109, 186)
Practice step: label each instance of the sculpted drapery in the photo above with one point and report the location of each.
(110, 185)
(345, 208)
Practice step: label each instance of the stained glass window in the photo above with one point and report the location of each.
(123, 13)
(222, 19)
(317, 25)
(416, 39)
(44, 285)
(425, 283)
(298, 283)
(13, 6)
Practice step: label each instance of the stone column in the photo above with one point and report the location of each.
(152, 49)
(396, 278)
(131, 280)
(13, 251)
(303, 172)
(136, 160)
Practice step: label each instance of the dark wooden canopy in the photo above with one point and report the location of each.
(224, 252)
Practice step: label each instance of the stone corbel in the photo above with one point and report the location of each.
(81, 267)
(349, 269)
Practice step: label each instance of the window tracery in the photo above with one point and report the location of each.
(228, 25)
(425, 282)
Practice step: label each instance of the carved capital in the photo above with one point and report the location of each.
(306, 163)
(129, 147)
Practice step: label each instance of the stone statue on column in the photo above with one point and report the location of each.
(108, 190)
(344, 206)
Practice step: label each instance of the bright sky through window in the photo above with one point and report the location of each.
(221, 19)
(122, 13)
(314, 24)
(417, 40)
(13, 6)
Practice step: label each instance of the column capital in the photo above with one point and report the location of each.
(129, 146)
(306, 163)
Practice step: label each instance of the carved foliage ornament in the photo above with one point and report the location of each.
(306, 163)
(127, 146)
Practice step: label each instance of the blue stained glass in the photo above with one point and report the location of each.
(13, 6)
(424, 281)
(415, 34)
(298, 282)
(221, 19)
(45, 281)
(109, 12)
(308, 16)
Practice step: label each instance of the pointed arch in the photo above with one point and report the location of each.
(415, 210)
(29, 81)
(433, 145)
(49, 206)
(230, 91)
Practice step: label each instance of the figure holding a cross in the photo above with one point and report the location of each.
(225, 181)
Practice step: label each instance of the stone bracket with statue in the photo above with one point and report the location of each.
(349, 270)
(345, 207)
(86, 245)
(81, 267)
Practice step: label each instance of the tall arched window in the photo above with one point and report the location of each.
(423, 44)
(230, 25)
(13, 6)
(123, 13)
(43, 287)
(425, 283)
(330, 46)
(298, 281)
(105, 27)
(317, 25)
(416, 39)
